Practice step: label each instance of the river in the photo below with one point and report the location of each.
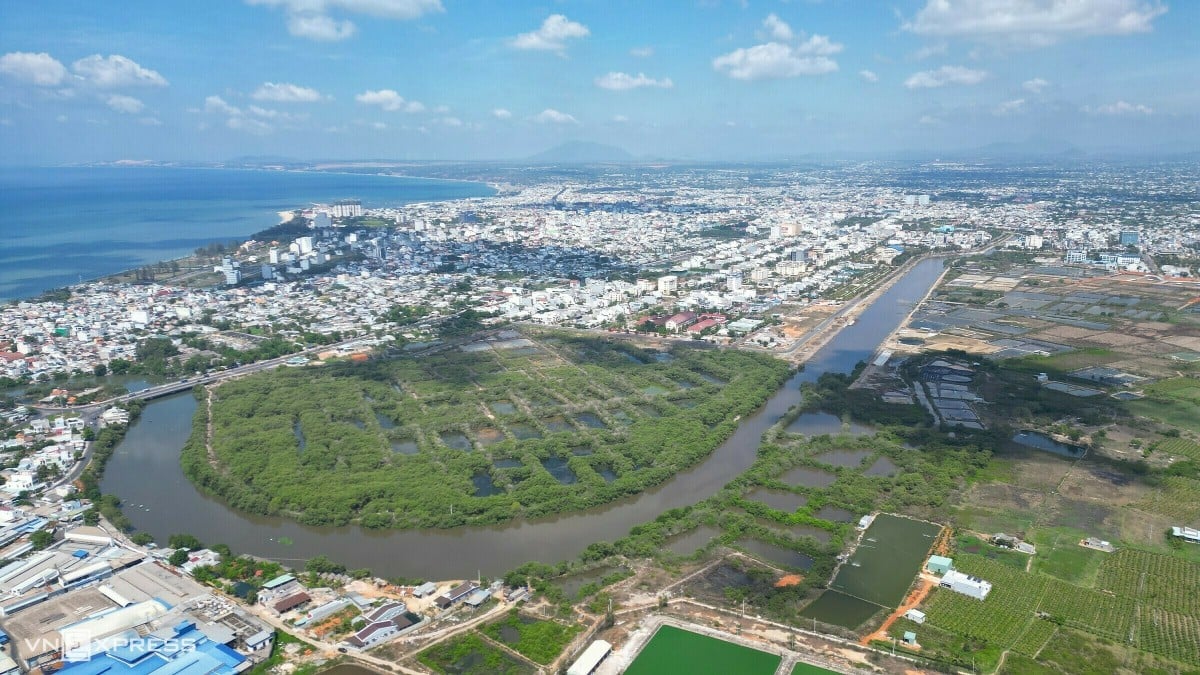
(145, 472)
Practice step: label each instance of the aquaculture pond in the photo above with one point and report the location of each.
(844, 458)
(808, 477)
(820, 423)
(557, 466)
(484, 487)
(882, 467)
(405, 446)
(590, 420)
(455, 440)
(877, 574)
(503, 407)
(778, 555)
(778, 499)
(674, 650)
(835, 514)
(687, 543)
(1040, 441)
(524, 431)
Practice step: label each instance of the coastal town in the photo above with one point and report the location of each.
(721, 261)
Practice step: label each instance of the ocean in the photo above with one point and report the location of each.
(61, 225)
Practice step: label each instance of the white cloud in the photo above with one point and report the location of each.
(320, 27)
(1036, 85)
(625, 81)
(379, 126)
(929, 79)
(218, 105)
(819, 45)
(776, 60)
(930, 50)
(125, 104)
(5, 122)
(501, 114)
(552, 116)
(868, 75)
(1034, 22)
(451, 121)
(442, 109)
(552, 35)
(285, 92)
(776, 29)
(642, 52)
(620, 119)
(389, 100)
(929, 119)
(40, 69)
(311, 18)
(249, 125)
(1011, 107)
(150, 122)
(1120, 108)
(116, 71)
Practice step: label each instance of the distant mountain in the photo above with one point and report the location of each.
(581, 152)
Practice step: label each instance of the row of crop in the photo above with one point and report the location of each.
(1001, 617)
(1035, 637)
(1171, 634)
(1152, 578)
(1092, 611)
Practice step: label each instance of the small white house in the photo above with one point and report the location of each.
(966, 584)
(915, 616)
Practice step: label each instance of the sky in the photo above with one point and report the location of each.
(84, 81)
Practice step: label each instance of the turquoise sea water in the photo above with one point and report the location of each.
(60, 225)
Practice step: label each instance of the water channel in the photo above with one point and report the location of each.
(145, 472)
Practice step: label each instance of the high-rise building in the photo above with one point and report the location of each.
(668, 285)
(322, 219)
(231, 269)
(922, 200)
(347, 208)
(1129, 238)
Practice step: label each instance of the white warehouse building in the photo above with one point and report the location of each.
(966, 584)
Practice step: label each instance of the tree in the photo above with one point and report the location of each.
(186, 541)
(178, 558)
(91, 517)
(142, 538)
(41, 539)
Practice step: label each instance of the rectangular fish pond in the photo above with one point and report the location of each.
(878, 574)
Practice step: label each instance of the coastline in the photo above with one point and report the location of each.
(241, 238)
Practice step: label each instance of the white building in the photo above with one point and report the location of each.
(668, 285)
(966, 584)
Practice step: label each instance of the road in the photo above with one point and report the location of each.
(177, 386)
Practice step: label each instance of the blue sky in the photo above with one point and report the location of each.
(702, 79)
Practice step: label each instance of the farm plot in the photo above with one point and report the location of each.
(1153, 579)
(1177, 498)
(1171, 634)
(1000, 618)
(1035, 637)
(1179, 446)
(1091, 611)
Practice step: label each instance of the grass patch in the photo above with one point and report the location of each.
(539, 640)
(1060, 555)
(470, 654)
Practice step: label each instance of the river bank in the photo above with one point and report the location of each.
(146, 473)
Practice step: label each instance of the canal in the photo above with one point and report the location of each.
(145, 473)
